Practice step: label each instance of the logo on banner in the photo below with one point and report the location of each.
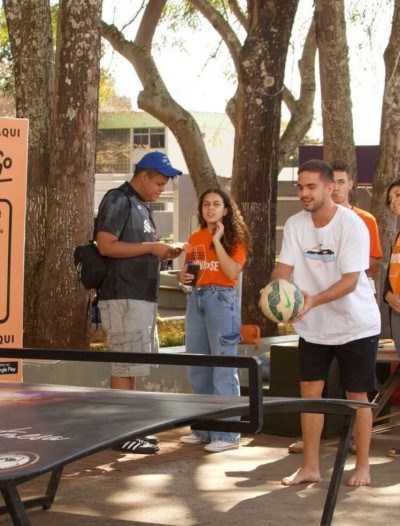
(5, 164)
(9, 367)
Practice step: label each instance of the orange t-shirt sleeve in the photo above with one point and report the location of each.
(375, 247)
(239, 255)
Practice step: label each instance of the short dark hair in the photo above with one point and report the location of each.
(341, 166)
(317, 166)
(392, 185)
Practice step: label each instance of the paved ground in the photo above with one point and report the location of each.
(183, 485)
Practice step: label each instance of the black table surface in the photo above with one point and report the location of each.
(45, 426)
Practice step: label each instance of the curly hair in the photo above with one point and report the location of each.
(235, 229)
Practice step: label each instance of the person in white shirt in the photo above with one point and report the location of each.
(325, 251)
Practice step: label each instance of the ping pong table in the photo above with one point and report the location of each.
(45, 427)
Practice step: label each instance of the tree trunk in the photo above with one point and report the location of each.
(30, 33)
(337, 121)
(388, 166)
(71, 183)
(256, 157)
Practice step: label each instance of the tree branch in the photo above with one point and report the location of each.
(302, 109)
(242, 17)
(148, 24)
(222, 27)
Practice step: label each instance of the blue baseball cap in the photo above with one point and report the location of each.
(158, 161)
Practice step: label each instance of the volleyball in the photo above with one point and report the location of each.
(281, 300)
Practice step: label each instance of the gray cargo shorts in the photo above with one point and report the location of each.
(130, 326)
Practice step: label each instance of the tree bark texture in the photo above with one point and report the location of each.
(337, 120)
(63, 300)
(30, 33)
(388, 165)
(257, 145)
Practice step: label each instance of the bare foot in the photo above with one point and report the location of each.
(360, 477)
(300, 476)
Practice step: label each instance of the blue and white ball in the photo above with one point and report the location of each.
(281, 300)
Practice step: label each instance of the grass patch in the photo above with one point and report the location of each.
(171, 332)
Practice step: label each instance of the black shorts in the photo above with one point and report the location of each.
(356, 360)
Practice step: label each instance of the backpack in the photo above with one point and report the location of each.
(91, 266)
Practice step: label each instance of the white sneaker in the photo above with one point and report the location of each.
(220, 445)
(191, 439)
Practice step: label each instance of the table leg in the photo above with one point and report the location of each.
(14, 504)
(16, 507)
(338, 468)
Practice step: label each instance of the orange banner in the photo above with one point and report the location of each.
(13, 179)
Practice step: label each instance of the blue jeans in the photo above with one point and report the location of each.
(213, 327)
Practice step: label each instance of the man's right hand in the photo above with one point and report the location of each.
(308, 305)
(109, 245)
(162, 250)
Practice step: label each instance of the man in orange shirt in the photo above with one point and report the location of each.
(344, 182)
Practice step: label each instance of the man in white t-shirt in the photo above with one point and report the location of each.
(325, 251)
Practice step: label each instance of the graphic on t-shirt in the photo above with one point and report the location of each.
(320, 252)
(202, 252)
(199, 257)
(148, 227)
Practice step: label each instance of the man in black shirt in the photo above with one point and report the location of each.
(128, 296)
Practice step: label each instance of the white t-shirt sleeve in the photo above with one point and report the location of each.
(353, 255)
(289, 246)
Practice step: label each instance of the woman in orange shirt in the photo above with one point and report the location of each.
(391, 292)
(218, 250)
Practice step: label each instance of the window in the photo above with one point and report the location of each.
(149, 137)
(156, 207)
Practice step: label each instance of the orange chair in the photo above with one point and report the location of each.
(251, 334)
